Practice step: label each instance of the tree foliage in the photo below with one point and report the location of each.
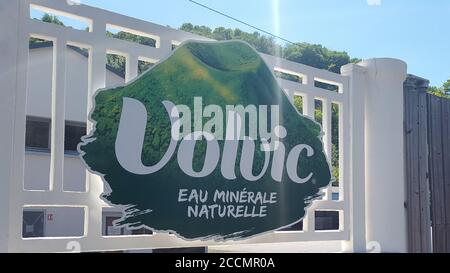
(116, 62)
(261, 43)
(443, 91)
(317, 56)
(51, 19)
(48, 19)
(122, 35)
(308, 54)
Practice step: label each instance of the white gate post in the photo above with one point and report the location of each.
(384, 154)
(9, 23)
(356, 160)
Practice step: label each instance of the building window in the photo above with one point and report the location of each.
(141, 231)
(110, 229)
(33, 223)
(72, 136)
(37, 134)
(327, 220)
(335, 196)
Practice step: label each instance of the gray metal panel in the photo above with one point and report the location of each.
(416, 159)
(439, 143)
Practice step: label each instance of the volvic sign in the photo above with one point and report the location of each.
(206, 145)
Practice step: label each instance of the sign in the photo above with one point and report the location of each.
(206, 145)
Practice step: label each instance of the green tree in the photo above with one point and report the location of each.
(443, 91)
(48, 19)
(317, 56)
(308, 54)
(51, 19)
(298, 103)
(446, 87)
(262, 43)
(119, 62)
(132, 38)
(199, 30)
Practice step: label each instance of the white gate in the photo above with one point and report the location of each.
(360, 218)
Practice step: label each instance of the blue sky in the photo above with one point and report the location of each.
(416, 31)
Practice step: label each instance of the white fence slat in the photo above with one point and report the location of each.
(58, 115)
(131, 70)
(326, 126)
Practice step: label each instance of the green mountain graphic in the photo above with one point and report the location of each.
(222, 73)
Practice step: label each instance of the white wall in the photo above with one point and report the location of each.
(74, 174)
(40, 84)
(37, 164)
(65, 221)
(37, 171)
